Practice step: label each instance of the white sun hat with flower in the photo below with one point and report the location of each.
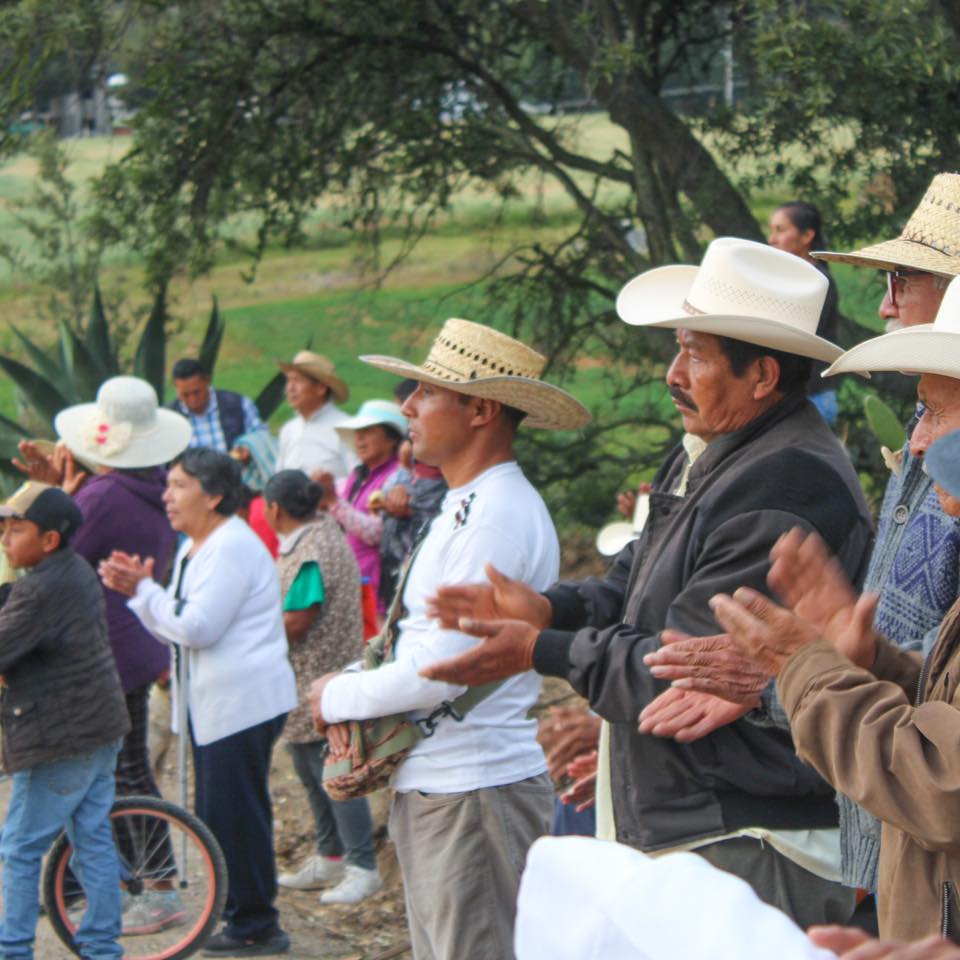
(126, 428)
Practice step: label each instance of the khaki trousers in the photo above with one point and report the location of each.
(803, 896)
(462, 855)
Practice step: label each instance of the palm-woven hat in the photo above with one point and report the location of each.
(930, 241)
(319, 368)
(126, 428)
(922, 348)
(743, 290)
(481, 362)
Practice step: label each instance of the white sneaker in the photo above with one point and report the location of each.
(357, 884)
(317, 871)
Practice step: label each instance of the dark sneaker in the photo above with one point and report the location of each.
(223, 945)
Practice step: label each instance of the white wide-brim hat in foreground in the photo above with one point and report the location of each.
(930, 241)
(373, 413)
(482, 362)
(742, 290)
(923, 348)
(125, 428)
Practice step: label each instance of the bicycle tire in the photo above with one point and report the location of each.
(202, 881)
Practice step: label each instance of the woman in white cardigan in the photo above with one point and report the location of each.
(223, 610)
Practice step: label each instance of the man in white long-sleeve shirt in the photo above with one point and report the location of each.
(473, 796)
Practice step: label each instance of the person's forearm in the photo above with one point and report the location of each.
(394, 688)
(367, 526)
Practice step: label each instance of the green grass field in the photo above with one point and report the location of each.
(324, 294)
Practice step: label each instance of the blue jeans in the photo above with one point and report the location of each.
(75, 794)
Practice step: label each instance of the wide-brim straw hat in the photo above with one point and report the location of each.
(319, 368)
(125, 429)
(373, 413)
(481, 362)
(922, 348)
(743, 290)
(930, 241)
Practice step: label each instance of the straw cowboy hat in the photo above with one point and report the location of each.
(319, 368)
(743, 290)
(923, 348)
(930, 241)
(125, 428)
(481, 362)
(373, 413)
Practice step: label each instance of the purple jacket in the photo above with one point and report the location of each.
(124, 511)
(368, 555)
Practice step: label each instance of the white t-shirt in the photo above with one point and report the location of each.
(313, 444)
(497, 518)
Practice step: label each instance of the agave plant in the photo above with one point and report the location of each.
(73, 371)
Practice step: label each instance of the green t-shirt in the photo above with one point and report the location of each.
(306, 589)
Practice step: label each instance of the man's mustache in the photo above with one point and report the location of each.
(684, 398)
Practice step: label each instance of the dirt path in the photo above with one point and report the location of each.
(372, 930)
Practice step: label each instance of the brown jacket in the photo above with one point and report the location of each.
(889, 738)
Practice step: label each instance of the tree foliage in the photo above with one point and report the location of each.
(262, 107)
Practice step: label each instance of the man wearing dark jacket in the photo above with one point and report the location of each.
(758, 460)
(63, 717)
(217, 417)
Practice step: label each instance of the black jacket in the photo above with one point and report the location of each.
(61, 695)
(785, 469)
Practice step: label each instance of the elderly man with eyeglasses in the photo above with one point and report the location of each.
(915, 565)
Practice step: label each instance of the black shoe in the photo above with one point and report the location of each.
(223, 945)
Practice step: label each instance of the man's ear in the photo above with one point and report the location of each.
(767, 377)
(485, 411)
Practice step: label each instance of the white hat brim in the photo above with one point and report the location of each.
(612, 538)
(349, 427)
(917, 349)
(654, 299)
(546, 406)
(171, 437)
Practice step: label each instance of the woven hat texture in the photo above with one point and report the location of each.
(924, 348)
(930, 241)
(319, 368)
(481, 362)
(743, 290)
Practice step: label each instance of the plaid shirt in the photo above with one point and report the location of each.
(206, 430)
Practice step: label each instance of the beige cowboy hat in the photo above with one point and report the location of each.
(743, 290)
(126, 428)
(930, 241)
(319, 368)
(481, 362)
(922, 348)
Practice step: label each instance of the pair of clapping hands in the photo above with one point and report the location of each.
(714, 679)
(56, 467)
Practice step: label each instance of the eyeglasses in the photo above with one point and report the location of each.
(897, 280)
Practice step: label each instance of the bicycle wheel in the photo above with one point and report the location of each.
(160, 847)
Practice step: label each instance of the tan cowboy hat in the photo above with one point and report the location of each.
(125, 428)
(319, 368)
(930, 241)
(481, 362)
(922, 348)
(743, 290)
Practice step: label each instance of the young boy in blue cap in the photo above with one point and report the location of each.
(63, 718)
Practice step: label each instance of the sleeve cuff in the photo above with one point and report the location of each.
(568, 608)
(551, 653)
